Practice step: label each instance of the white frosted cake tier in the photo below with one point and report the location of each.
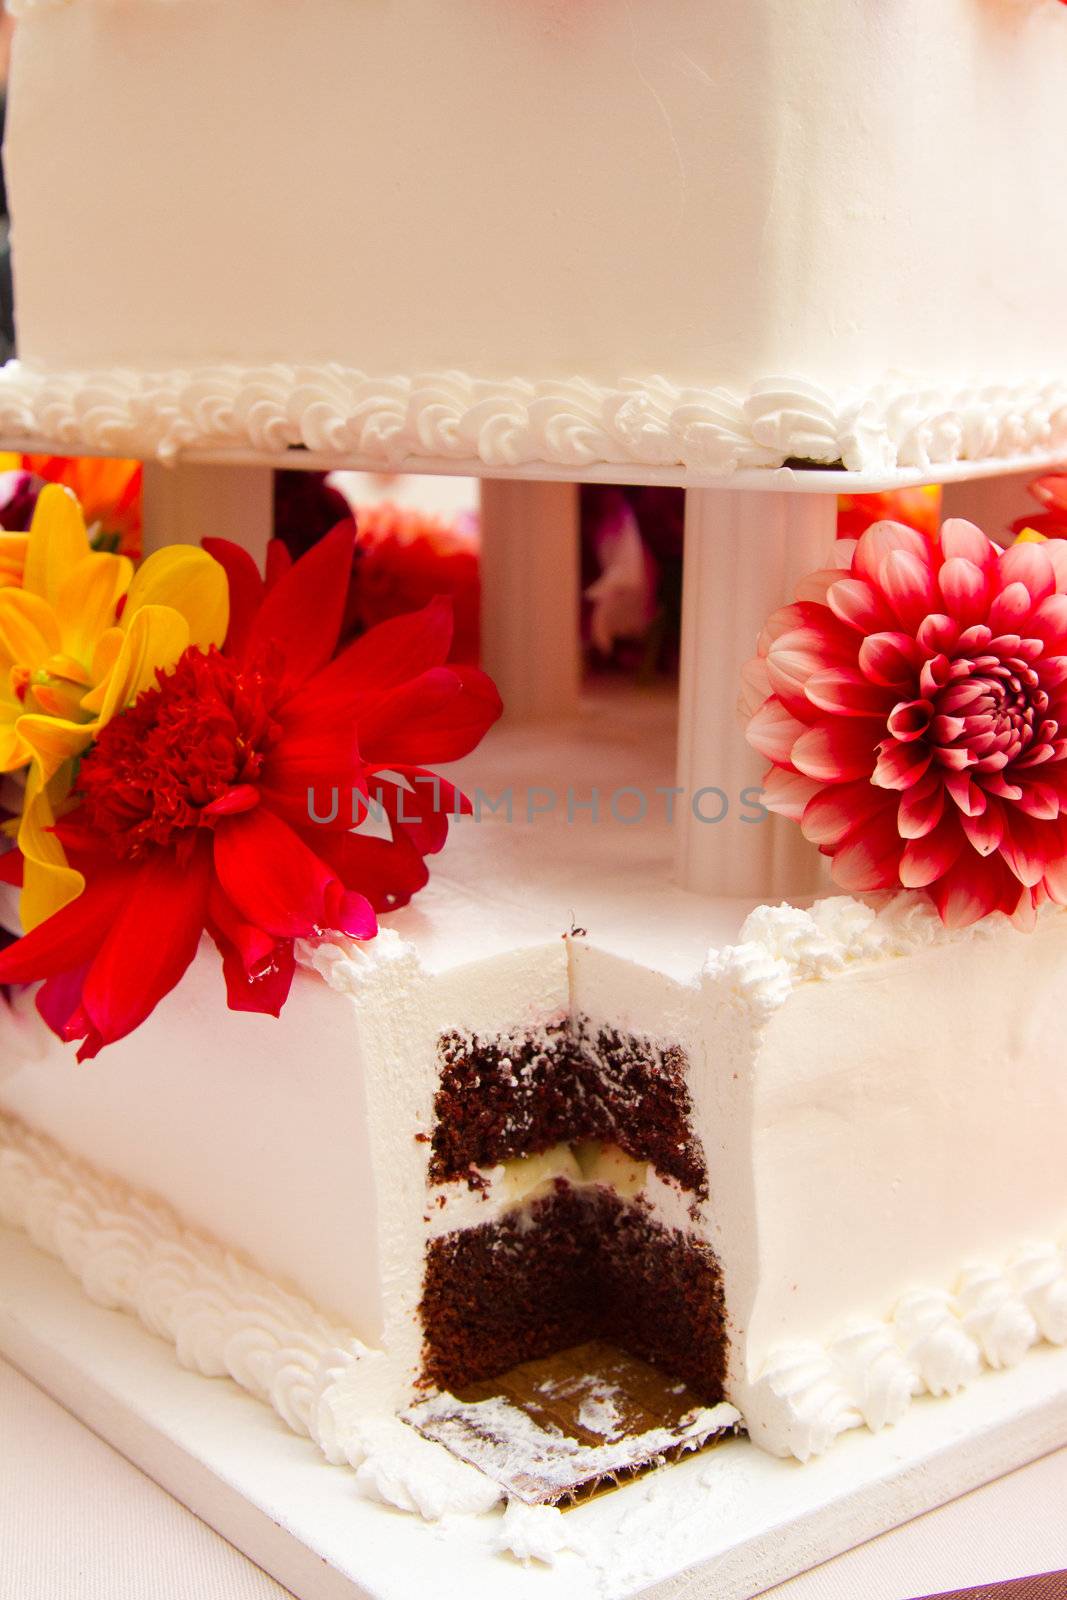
(881, 1108)
(702, 235)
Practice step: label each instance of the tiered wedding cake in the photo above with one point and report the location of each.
(805, 1160)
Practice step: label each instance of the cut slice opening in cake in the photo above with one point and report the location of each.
(566, 1248)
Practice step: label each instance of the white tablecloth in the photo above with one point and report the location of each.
(78, 1522)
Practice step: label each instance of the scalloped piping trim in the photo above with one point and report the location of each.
(130, 1253)
(647, 422)
(934, 1343)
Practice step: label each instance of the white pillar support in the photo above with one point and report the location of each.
(744, 553)
(191, 501)
(993, 503)
(530, 596)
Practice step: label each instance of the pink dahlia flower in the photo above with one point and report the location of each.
(913, 705)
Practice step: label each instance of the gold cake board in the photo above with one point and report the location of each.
(724, 1524)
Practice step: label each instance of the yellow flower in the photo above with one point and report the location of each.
(69, 662)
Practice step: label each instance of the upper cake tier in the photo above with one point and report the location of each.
(688, 235)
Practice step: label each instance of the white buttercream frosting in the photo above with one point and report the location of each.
(401, 1469)
(799, 1405)
(455, 416)
(1038, 1278)
(349, 965)
(783, 946)
(132, 1254)
(995, 1316)
(532, 1533)
(934, 1343)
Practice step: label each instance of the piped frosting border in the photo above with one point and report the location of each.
(934, 1343)
(649, 423)
(130, 1253)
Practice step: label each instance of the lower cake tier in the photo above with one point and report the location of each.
(821, 1175)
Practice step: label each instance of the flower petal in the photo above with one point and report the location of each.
(1010, 609)
(246, 591)
(191, 583)
(387, 871)
(787, 793)
(267, 988)
(49, 882)
(909, 585)
(387, 655)
(301, 615)
(891, 659)
(848, 694)
(148, 945)
(1029, 565)
(71, 937)
(88, 597)
(154, 640)
(773, 731)
(964, 590)
(57, 542)
(868, 858)
(1026, 846)
(29, 631)
(438, 716)
(837, 750)
(832, 814)
(271, 877)
(928, 858)
(972, 888)
(859, 605)
(883, 539)
(1049, 622)
(968, 542)
(984, 831)
(315, 752)
(900, 765)
(921, 808)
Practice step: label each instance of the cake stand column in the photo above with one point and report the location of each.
(191, 501)
(744, 552)
(530, 596)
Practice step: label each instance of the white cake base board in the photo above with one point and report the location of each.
(726, 1524)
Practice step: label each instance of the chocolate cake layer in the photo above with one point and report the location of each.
(500, 1098)
(575, 1266)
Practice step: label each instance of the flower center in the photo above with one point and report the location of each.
(180, 749)
(980, 712)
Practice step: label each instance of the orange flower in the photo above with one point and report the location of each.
(109, 493)
(915, 508)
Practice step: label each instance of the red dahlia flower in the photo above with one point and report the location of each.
(914, 709)
(403, 558)
(193, 807)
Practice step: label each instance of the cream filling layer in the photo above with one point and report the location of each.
(517, 1184)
